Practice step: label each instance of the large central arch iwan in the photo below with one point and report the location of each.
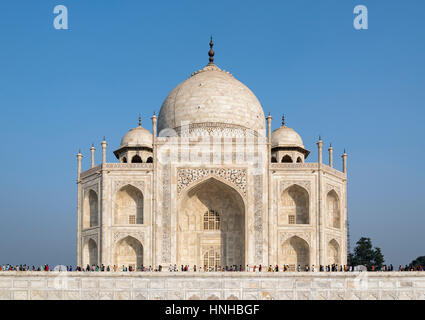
(211, 225)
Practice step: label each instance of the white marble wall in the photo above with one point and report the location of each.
(165, 285)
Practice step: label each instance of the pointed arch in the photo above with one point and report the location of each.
(128, 252)
(295, 251)
(333, 252)
(299, 160)
(227, 237)
(294, 208)
(136, 159)
(90, 209)
(333, 210)
(90, 253)
(128, 206)
(287, 159)
(149, 160)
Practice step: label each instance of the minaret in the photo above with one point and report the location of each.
(154, 125)
(269, 128)
(92, 150)
(320, 229)
(344, 162)
(331, 151)
(79, 157)
(154, 156)
(319, 147)
(104, 144)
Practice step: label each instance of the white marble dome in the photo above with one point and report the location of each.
(212, 98)
(137, 137)
(286, 137)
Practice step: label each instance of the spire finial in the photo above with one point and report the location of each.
(211, 52)
(140, 120)
(283, 120)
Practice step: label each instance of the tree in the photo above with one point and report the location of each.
(419, 261)
(365, 254)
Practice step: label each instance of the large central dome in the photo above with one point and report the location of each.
(211, 100)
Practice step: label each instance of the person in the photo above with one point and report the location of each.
(260, 268)
(194, 268)
(299, 268)
(313, 268)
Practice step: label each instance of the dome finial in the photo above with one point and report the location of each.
(211, 52)
(283, 120)
(140, 120)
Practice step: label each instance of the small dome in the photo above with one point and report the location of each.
(137, 137)
(286, 137)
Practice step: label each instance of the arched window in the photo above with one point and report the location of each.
(124, 160)
(128, 206)
(294, 208)
(287, 159)
(333, 252)
(295, 252)
(334, 215)
(274, 159)
(212, 258)
(299, 160)
(211, 220)
(129, 252)
(149, 160)
(90, 210)
(136, 159)
(90, 253)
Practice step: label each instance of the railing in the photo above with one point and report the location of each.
(128, 166)
(294, 165)
(315, 166)
(116, 166)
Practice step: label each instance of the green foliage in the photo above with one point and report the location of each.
(365, 254)
(417, 262)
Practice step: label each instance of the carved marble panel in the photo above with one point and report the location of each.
(188, 176)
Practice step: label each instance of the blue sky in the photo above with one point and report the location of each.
(61, 90)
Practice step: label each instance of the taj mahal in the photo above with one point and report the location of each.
(212, 185)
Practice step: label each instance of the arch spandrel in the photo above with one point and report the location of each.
(235, 178)
(306, 236)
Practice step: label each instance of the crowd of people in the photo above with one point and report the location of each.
(187, 268)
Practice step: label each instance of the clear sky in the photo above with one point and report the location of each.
(61, 90)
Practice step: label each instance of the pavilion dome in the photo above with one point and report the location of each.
(137, 137)
(286, 137)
